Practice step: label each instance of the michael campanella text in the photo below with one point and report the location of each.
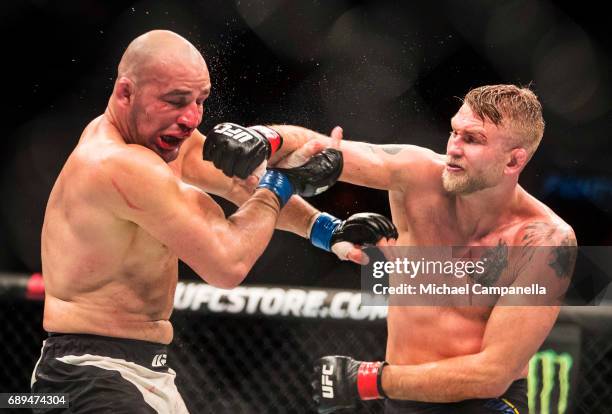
(444, 289)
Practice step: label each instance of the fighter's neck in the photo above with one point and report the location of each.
(118, 122)
(481, 213)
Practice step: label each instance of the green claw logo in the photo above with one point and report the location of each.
(555, 369)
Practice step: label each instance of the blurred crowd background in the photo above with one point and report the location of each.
(387, 72)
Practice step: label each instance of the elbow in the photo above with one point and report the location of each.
(495, 382)
(494, 375)
(234, 277)
(225, 269)
(494, 388)
(231, 276)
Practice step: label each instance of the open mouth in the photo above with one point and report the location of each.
(450, 166)
(168, 142)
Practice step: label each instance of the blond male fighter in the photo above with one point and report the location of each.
(456, 359)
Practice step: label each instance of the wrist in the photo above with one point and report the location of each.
(273, 138)
(279, 184)
(369, 380)
(308, 223)
(322, 230)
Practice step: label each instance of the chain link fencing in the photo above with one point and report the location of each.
(261, 364)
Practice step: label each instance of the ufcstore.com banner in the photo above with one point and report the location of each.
(276, 301)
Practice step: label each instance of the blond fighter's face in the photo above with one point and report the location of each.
(475, 154)
(167, 108)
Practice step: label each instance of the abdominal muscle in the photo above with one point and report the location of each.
(127, 298)
(421, 334)
(119, 314)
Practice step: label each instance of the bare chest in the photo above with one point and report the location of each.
(429, 220)
(421, 334)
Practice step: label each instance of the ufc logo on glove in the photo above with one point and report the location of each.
(234, 131)
(327, 385)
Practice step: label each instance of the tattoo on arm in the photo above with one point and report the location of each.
(392, 149)
(537, 233)
(496, 259)
(563, 257)
(389, 149)
(563, 253)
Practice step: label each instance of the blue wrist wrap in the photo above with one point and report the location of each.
(279, 184)
(322, 230)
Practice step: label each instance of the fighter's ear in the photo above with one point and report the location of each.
(517, 161)
(124, 90)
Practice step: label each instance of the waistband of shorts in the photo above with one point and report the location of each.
(140, 352)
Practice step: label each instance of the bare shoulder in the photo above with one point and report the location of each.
(543, 227)
(558, 240)
(548, 238)
(426, 167)
(423, 158)
(405, 153)
(116, 176)
(412, 164)
(101, 151)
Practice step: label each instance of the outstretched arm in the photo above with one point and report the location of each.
(385, 167)
(297, 216)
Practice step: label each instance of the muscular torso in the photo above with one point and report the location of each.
(426, 216)
(103, 275)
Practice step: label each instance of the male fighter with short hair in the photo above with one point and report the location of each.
(457, 359)
(129, 203)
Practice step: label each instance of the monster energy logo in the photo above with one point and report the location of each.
(549, 361)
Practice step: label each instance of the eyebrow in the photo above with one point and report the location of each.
(471, 131)
(177, 92)
(184, 92)
(479, 136)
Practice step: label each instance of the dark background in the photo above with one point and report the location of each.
(388, 72)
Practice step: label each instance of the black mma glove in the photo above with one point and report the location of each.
(340, 380)
(364, 229)
(319, 173)
(237, 150)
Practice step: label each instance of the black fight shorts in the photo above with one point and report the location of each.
(107, 375)
(514, 401)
